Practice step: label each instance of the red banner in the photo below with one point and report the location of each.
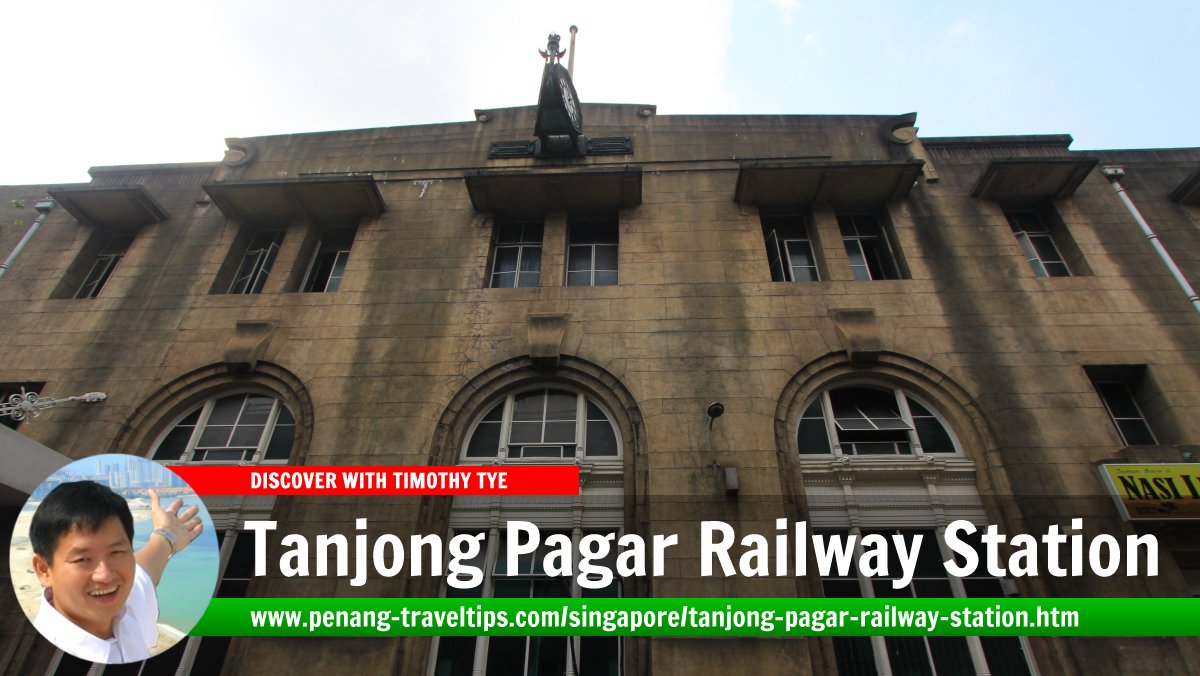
(366, 480)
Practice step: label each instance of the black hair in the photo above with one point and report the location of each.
(85, 505)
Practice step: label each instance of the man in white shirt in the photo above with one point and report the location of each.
(98, 600)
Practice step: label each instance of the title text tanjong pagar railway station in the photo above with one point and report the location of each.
(819, 318)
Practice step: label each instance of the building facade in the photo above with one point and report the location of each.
(900, 332)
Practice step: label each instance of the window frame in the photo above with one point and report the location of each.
(884, 253)
(780, 231)
(1033, 254)
(103, 265)
(508, 402)
(882, 646)
(587, 229)
(259, 269)
(341, 251)
(1116, 420)
(257, 455)
(524, 245)
(492, 556)
(902, 401)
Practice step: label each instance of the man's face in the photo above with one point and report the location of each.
(90, 575)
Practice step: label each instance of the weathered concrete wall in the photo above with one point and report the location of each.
(695, 318)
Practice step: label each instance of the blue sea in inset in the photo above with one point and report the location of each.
(190, 579)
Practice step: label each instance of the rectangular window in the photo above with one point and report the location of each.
(871, 255)
(592, 253)
(1037, 243)
(256, 262)
(529, 655)
(516, 255)
(103, 265)
(1124, 412)
(789, 249)
(328, 263)
(920, 654)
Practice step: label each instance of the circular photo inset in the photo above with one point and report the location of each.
(114, 558)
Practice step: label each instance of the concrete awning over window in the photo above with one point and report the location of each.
(868, 182)
(1032, 179)
(1188, 192)
(288, 199)
(536, 192)
(124, 209)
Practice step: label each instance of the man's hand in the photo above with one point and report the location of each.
(185, 526)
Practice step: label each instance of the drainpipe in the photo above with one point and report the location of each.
(43, 209)
(1114, 174)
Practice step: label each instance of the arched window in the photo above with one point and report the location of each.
(544, 424)
(245, 427)
(240, 427)
(889, 431)
(541, 425)
(866, 420)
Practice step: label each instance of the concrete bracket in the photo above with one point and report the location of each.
(859, 332)
(247, 345)
(239, 152)
(902, 130)
(546, 333)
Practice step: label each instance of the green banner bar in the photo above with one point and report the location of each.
(700, 617)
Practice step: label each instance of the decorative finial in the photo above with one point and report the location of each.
(552, 54)
(29, 405)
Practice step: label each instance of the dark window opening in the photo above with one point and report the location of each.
(103, 266)
(867, 246)
(256, 262)
(1037, 243)
(790, 252)
(328, 264)
(592, 253)
(516, 256)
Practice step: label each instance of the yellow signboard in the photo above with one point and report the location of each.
(1158, 492)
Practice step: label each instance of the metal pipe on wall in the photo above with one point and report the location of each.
(1114, 174)
(43, 209)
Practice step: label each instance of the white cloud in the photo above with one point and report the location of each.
(961, 28)
(788, 7)
(143, 81)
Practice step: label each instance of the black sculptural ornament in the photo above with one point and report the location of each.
(559, 126)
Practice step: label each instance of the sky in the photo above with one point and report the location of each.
(91, 83)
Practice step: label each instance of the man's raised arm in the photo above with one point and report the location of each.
(173, 532)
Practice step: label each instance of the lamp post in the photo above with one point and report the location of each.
(29, 405)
